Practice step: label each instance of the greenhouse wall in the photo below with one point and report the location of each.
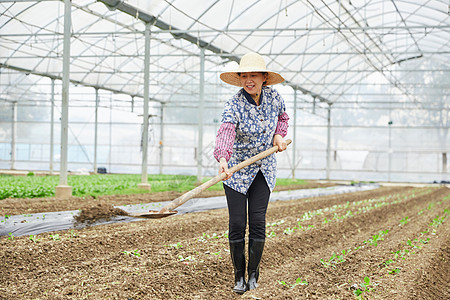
(360, 150)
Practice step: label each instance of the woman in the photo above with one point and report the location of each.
(253, 120)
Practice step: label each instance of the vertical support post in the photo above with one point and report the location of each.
(13, 134)
(314, 106)
(294, 142)
(444, 162)
(389, 152)
(52, 127)
(329, 141)
(200, 117)
(96, 131)
(161, 139)
(110, 134)
(63, 190)
(144, 177)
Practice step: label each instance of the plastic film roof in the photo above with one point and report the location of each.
(347, 52)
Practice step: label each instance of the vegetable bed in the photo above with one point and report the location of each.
(388, 243)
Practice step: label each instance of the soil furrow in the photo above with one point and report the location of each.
(299, 255)
(186, 256)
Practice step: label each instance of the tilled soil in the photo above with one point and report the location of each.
(388, 243)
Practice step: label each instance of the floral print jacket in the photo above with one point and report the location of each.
(255, 127)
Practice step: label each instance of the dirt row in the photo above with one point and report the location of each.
(388, 243)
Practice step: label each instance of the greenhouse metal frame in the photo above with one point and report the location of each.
(133, 86)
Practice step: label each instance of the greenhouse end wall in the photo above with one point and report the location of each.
(397, 153)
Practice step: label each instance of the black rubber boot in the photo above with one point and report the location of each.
(255, 250)
(238, 259)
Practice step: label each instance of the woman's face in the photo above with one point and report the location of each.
(253, 82)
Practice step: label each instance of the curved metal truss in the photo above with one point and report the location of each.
(328, 49)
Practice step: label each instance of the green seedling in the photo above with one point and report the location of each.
(135, 253)
(409, 243)
(348, 214)
(214, 236)
(73, 233)
(275, 223)
(364, 287)
(299, 226)
(11, 236)
(307, 216)
(404, 221)
(340, 258)
(288, 231)
(188, 258)
(438, 221)
(55, 237)
(206, 236)
(395, 271)
(425, 232)
(298, 281)
(401, 254)
(202, 238)
(326, 264)
(34, 238)
(282, 282)
(386, 263)
(271, 235)
(334, 260)
(376, 238)
(175, 246)
(422, 241)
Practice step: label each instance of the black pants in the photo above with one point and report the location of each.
(258, 198)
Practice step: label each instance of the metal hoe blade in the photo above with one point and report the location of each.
(154, 214)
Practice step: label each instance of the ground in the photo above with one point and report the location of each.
(387, 243)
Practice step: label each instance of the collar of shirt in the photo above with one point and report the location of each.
(250, 99)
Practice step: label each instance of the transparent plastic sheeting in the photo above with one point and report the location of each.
(28, 224)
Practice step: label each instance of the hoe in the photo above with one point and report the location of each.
(168, 210)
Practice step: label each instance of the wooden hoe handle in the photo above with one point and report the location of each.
(194, 192)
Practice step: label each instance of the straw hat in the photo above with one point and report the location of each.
(251, 62)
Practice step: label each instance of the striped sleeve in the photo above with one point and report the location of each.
(224, 141)
(282, 125)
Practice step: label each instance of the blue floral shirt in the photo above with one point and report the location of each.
(255, 128)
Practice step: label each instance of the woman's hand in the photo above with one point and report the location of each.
(279, 141)
(223, 168)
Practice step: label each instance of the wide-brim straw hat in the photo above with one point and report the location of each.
(251, 62)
